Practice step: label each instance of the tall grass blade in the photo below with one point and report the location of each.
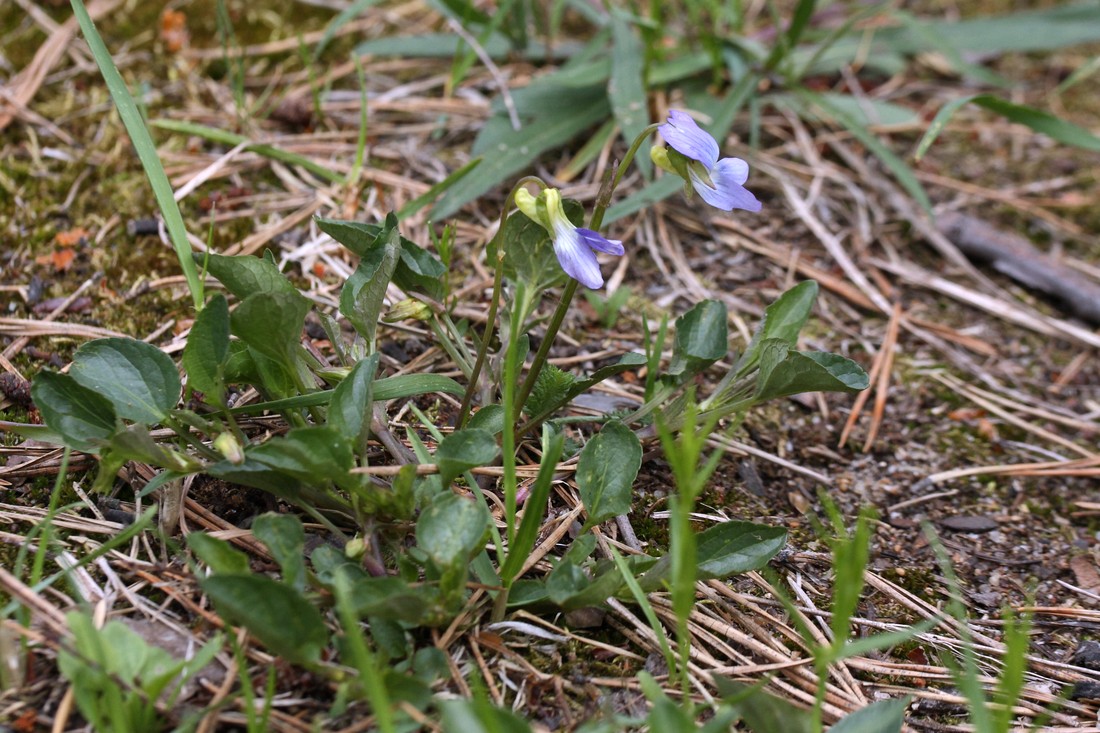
(146, 150)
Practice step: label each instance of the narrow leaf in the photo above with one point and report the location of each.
(275, 613)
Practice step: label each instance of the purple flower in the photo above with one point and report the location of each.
(694, 157)
(575, 246)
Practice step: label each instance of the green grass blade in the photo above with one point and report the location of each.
(231, 138)
(1039, 121)
(626, 88)
(146, 150)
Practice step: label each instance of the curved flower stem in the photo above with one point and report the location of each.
(491, 319)
(603, 201)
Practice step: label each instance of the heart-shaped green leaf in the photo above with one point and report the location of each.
(139, 379)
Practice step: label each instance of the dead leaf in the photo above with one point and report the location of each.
(72, 237)
(173, 30)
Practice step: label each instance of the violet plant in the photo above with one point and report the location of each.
(413, 522)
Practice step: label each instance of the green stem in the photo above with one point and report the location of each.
(491, 319)
(603, 201)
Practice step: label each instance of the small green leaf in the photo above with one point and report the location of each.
(362, 296)
(451, 529)
(271, 323)
(462, 450)
(884, 716)
(812, 371)
(723, 550)
(608, 465)
(245, 275)
(285, 539)
(349, 412)
(279, 616)
(311, 455)
(701, 338)
(419, 271)
(489, 418)
(83, 417)
(782, 320)
(207, 350)
(219, 555)
(139, 379)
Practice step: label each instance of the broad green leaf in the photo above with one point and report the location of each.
(245, 275)
(218, 554)
(360, 237)
(389, 598)
(285, 539)
(349, 412)
(812, 371)
(207, 350)
(884, 716)
(723, 550)
(271, 324)
(1017, 31)
(626, 89)
(462, 450)
(257, 475)
(276, 614)
(419, 271)
(701, 338)
(311, 455)
(564, 582)
(1039, 121)
(451, 529)
(489, 418)
(782, 320)
(606, 471)
(364, 293)
(139, 379)
(83, 417)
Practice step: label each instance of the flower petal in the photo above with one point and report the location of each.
(727, 193)
(687, 138)
(575, 257)
(598, 242)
